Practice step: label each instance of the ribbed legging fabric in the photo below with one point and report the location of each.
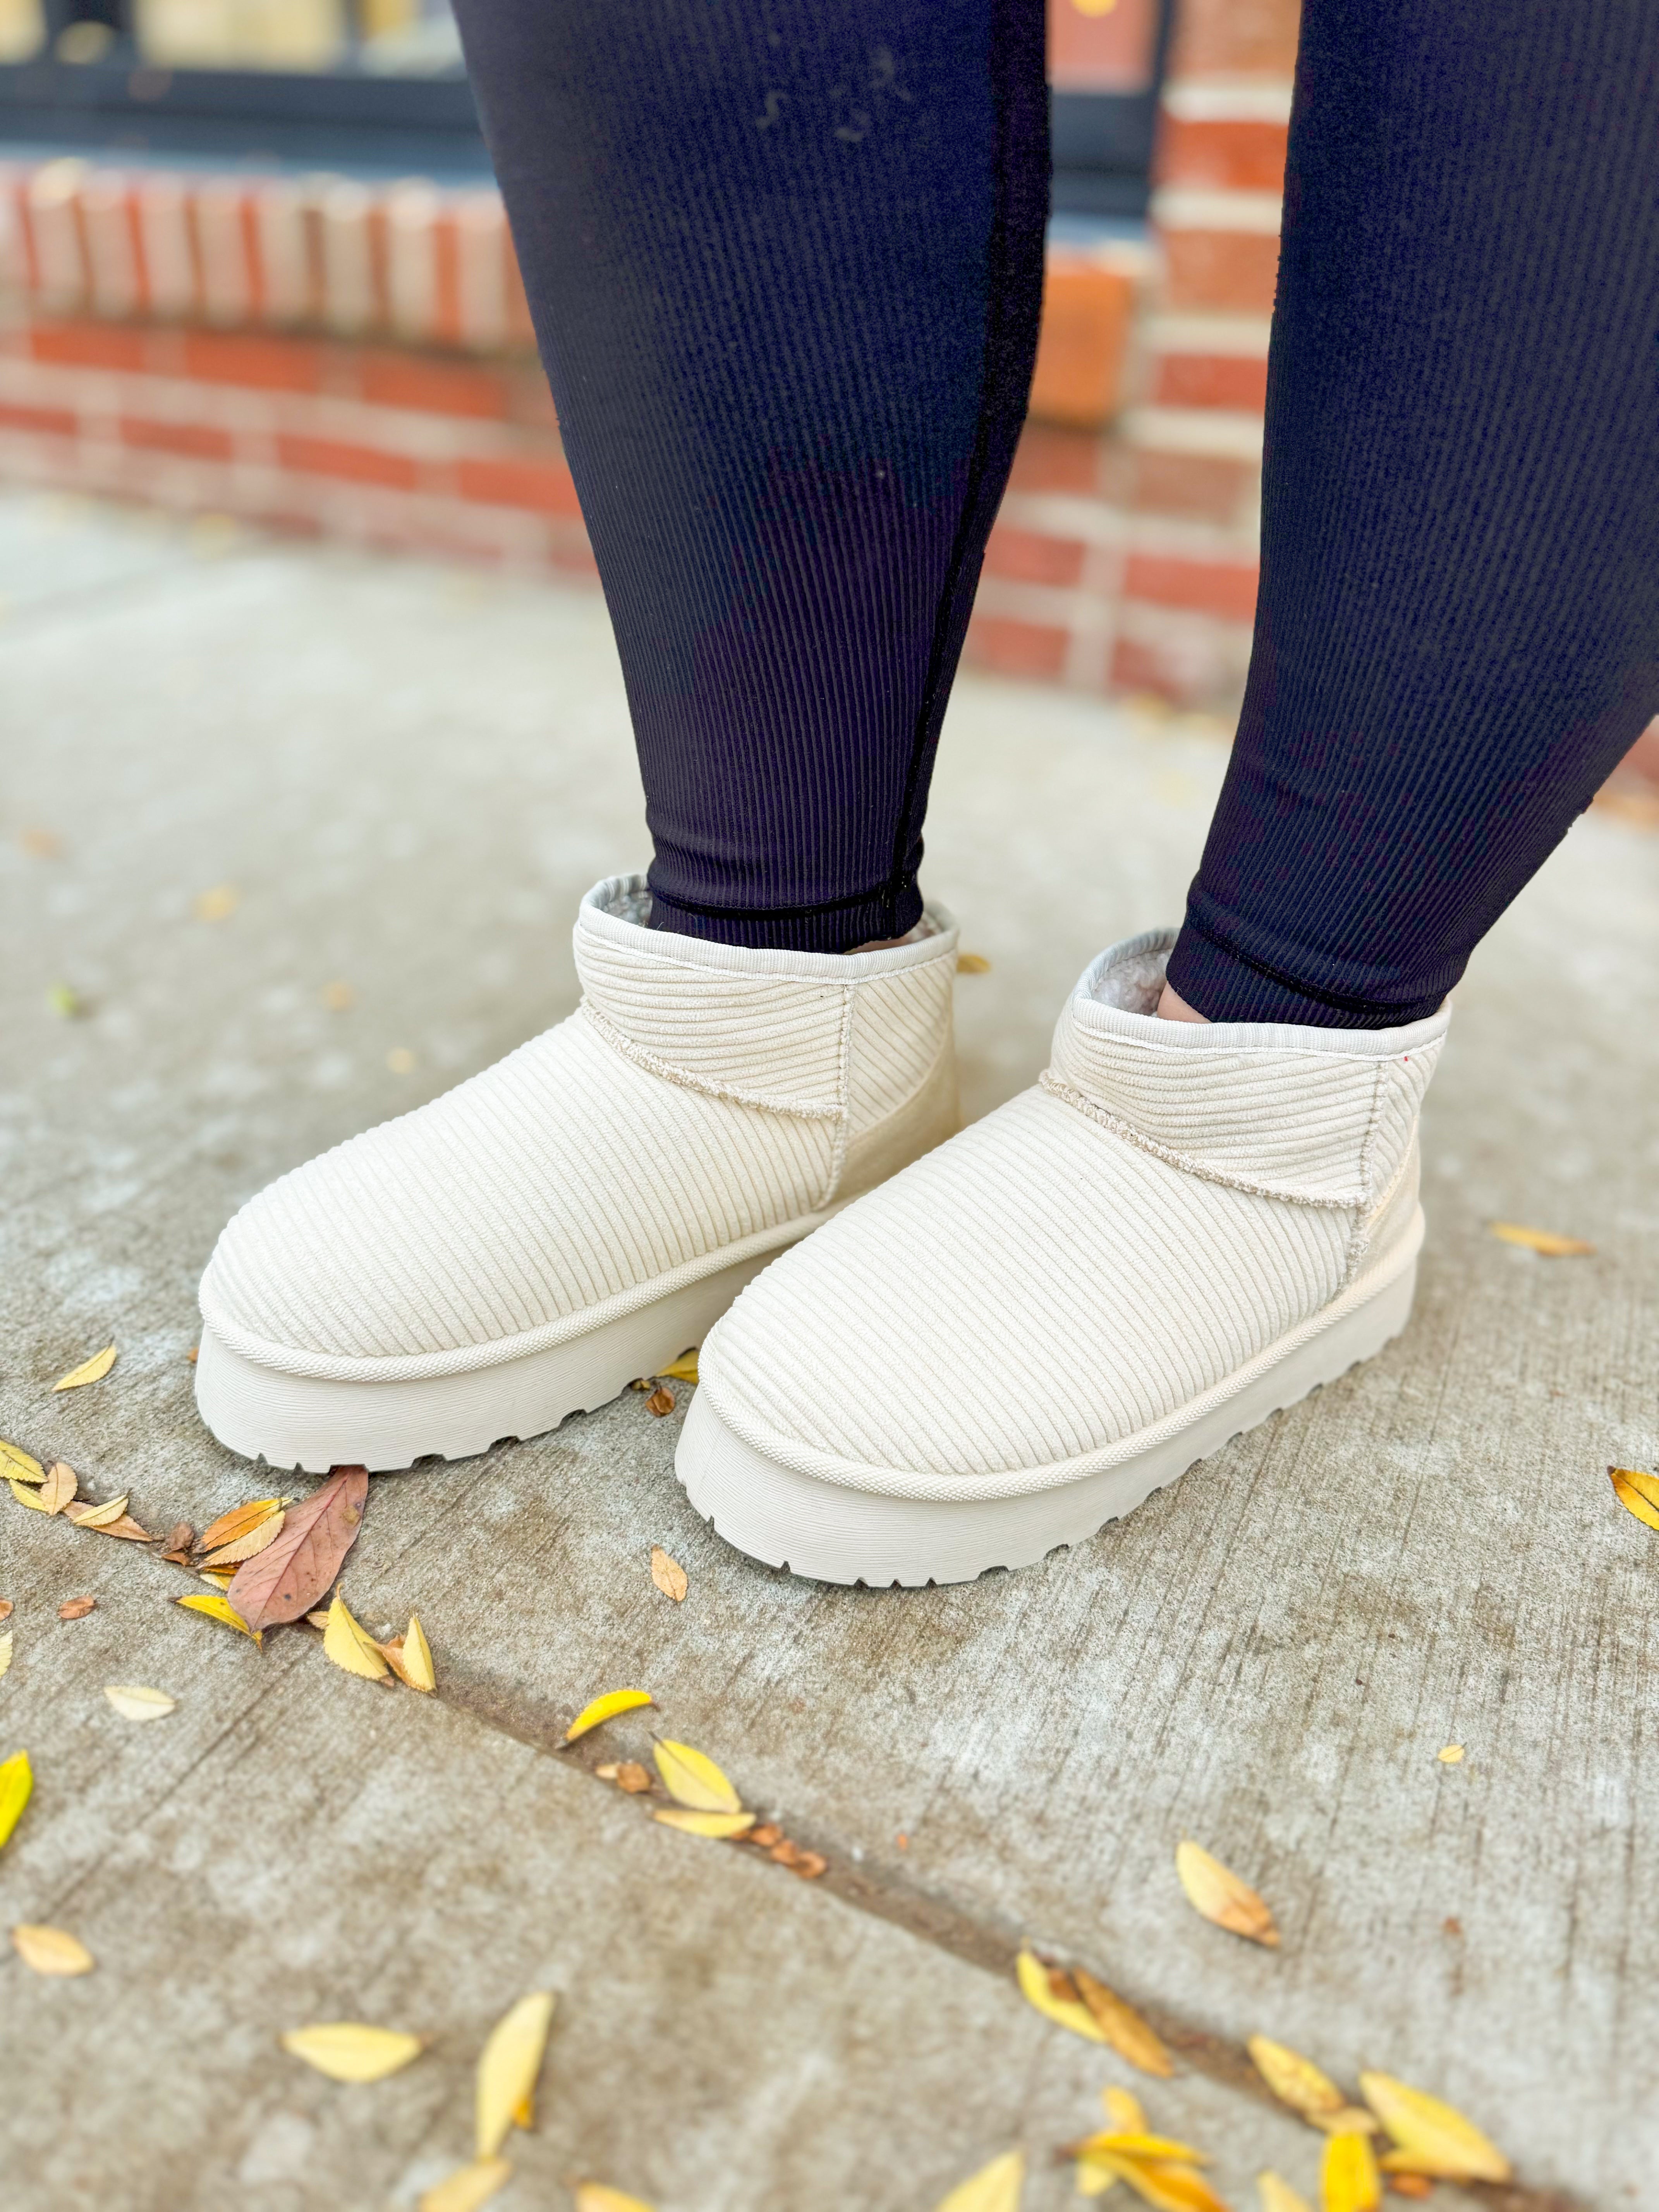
(784, 258)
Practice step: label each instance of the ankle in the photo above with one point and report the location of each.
(1172, 1007)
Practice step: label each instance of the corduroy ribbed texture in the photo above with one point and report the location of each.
(619, 1147)
(785, 266)
(1053, 1280)
(1457, 632)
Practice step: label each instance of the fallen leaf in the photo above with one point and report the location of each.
(400, 1060)
(5, 1651)
(26, 1495)
(52, 1951)
(222, 1577)
(288, 1576)
(1137, 2144)
(1093, 2180)
(1430, 2137)
(17, 1465)
(692, 1778)
(661, 1401)
(16, 1786)
(125, 1528)
(1216, 1892)
(604, 1709)
(594, 2196)
(1348, 2120)
(239, 1521)
(467, 2188)
(1544, 1241)
(410, 1657)
(668, 1575)
(1410, 2184)
(349, 1645)
(972, 964)
(349, 2051)
(809, 1865)
(99, 1517)
(1169, 2187)
(339, 997)
(766, 1835)
(44, 844)
(1128, 2034)
(1451, 1754)
(215, 904)
(318, 1620)
(632, 1777)
(59, 1487)
(1294, 2079)
(247, 1546)
(1124, 2108)
(1636, 1493)
(607, 1773)
(221, 1608)
(994, 2188)
(193, 1354)
(683, 1369)
(177, 1541)
(1062, 2005)
(134, 1703)
(5, 1609)
(1278, 2196)
(507, 2068)
(89, 1370)
(1348, 2178)
(703, 1824)
(76, 1608)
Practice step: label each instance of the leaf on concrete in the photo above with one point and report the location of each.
(809, 1865)
(1053, 1993)
(668, 1575)
(1124, 2108)
(1638, 1493)
(24, 1495)
(249, 1544)
(125, 1528)
(98, 1516)
(52, 1951)
(76, 1609)
(633, 1778)
(239, 1521)
(1116, 2142)
(1278, 2196)
(17, 1465)
(1410, 2184)
(410, 1657)
(994, 2188)
(350, 1645)
(288, 1576)
(1430, 2137)
(1128, 2034)
(1348, 2178)
(1544, 1241)
(89, 1370)
(1451, 1754)
(1223, 1898)
(507, 2068)
(703, 1824)
(221, 1608)
(661, 1401)
(16, 1787)
(215, 904)
(1294, 2079)
(1348, 2120)
(467, 2188)
(594, 2196)
(59, 1488)
(604, 1708)
(683, 1369)
(972, 964)
(349, 2051)
(5, 1649)
(1168, 2186)
(5, 1609)
(177, 1541)
(134, 1703)
(692, 1778)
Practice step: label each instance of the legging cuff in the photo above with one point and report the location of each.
(839, 925)
(1224, 985)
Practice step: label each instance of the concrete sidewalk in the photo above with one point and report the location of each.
(409, 775)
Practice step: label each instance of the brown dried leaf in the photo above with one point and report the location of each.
(410, 1657)
(766, 1835)
(661, 1401)
(98, 1516)
(809, 1865)
(633, 1778)
(318, 1620)
(668, 1575)
(241, 1521)
(5, 1609)
(76, 1608)
(180, 1537)
(1217, 1893)
(1638, 1493)
(288, 1576)
(221, 1577)
(247, 1545)
(59, 1487)
(89, 1370)
(1129, 2035)
(1544, 1241)
(50, 1951)
(127, 1528)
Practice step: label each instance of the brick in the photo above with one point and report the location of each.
(1086, 313)
(46, 422)
(196, 441)
(1193, 671)
(387, 378)
(1032, 557)
(1226, 588)
(1236, 270)
(1200, 487)
(1249, 155)
(1051, 458)
(544, 487)
(90, 345)
(1237, 381)
(349, 464)
(1242, 38)
(252, 359)
(1013, 647)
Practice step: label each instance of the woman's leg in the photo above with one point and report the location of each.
(785, 262)
(1457, 634)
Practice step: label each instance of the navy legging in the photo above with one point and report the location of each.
(785, 262)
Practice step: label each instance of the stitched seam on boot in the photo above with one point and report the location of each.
(1337, 1202)
(844, 1097)
(1359, 1242)
(809, 1109)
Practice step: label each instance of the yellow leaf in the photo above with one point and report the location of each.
(5, 1649)
(1347, 2120)
(594, 2196)
(1278, 2196)
(1094, 2180)
(994, 2188)
(972, 964)
(240, 1519)
(684, 1370)
(1217, 1893)
(1295, 2081)
(1066, 2012)
(1348, 2178)
(52, 1951)
(508, 2066)
(1135, 2142)
(604, 1709)
(134, 1703)
(1636, 1493)
(221, 1577)
(1124, 2110)
(215, 904)
(221, 1608)
(99, 1517)
(692, 1778)
(668, 1575)
(25, 1495)
(704, 1824)
(250, 1544)
(1439, 2140)
(348, 2051)
(418, 1670)
(59, 1488)
(1451, 1754)
(1169, 2188)
(1543, 1241)
(348, 1646)
(467, 2188)
(89, 1370)
(16, 1785)
(17, 1465)
(1129, 2035)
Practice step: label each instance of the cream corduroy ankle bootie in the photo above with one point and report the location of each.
(579, 1214)
(1180, 1230)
